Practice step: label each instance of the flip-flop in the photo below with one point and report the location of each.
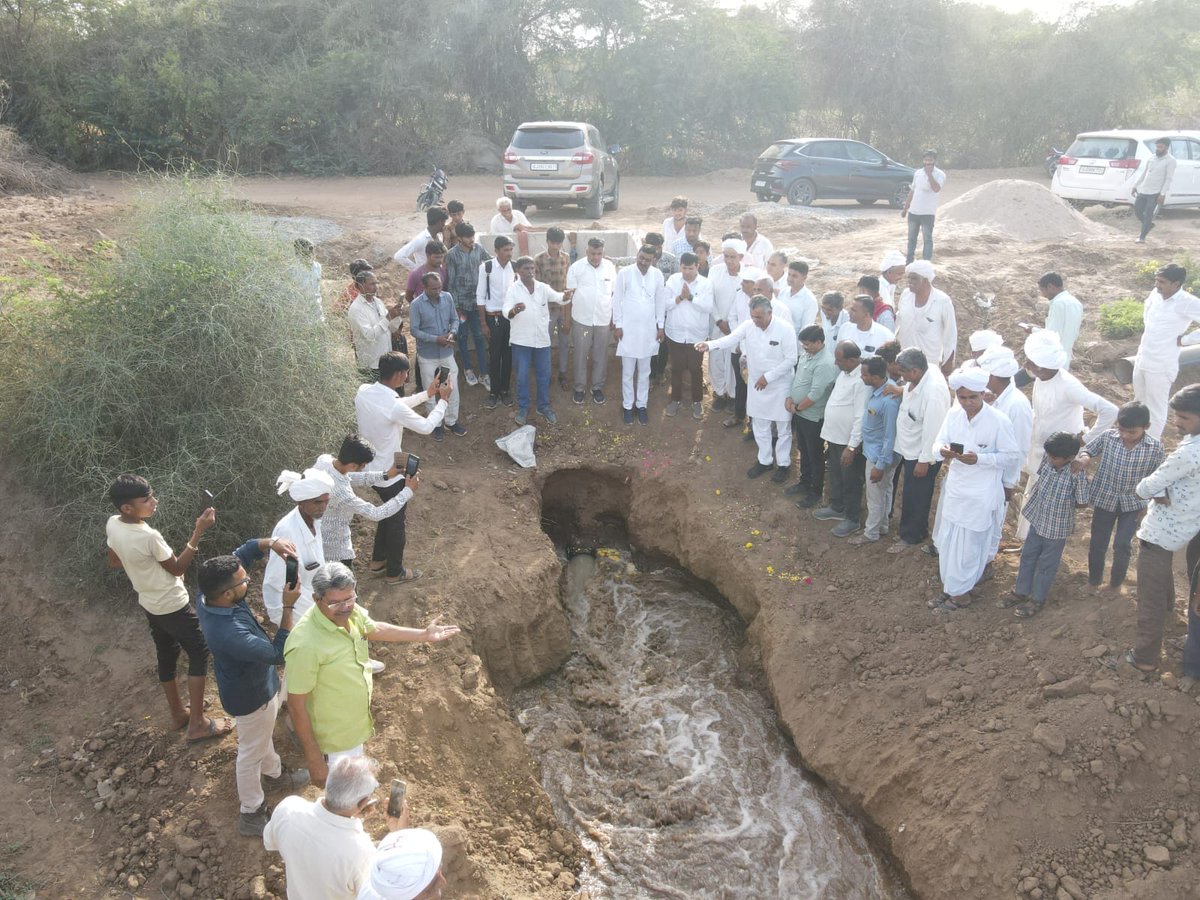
(214, 730)
(409, 575)
(899, 547)
(1137, 667)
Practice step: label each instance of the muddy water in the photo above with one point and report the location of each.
(663, 753)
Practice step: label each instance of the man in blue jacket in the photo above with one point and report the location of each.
(245, 660)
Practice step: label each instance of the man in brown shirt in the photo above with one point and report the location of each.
(551, 267)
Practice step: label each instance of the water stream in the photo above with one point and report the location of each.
(662, 751)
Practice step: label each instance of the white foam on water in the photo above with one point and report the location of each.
(684, 786)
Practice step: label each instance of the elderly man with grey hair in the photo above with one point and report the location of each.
(329, 675)
(771, 352)
(326, 853)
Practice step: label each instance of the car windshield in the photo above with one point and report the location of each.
(776, 151)
(1100, 147)
(548, 139)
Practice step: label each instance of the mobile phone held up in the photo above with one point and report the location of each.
(396, 798)
(292, 570)
(442, 374)
(956, 447)
(206, 499)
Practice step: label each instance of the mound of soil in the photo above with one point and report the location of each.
(24, 172)
(1020, 211)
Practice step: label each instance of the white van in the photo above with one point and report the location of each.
(1103, 166)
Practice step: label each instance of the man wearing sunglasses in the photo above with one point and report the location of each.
(329, 672)
(244, 661)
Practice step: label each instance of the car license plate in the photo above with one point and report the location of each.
(760, 183)
(544, 167)
(1091, 170)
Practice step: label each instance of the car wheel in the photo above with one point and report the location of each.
(593, 207)
(867, 201)
(615, 203)
(899, 195)
(801, 192)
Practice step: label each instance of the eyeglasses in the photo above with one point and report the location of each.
(238, 584)
(341, 604)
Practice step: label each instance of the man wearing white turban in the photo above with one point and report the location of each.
(407, 866)
(1001, 365)
(891, 270)
(925, 317)
(981, 341)
(302, 526)
(726, 281)
(1059, 400)
(978, 445)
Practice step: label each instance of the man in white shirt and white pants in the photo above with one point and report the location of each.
(921, 205)
(771, 353)
(590, 284)
(638, 310)
(302, 526)
(725, 278)
(1169, 311)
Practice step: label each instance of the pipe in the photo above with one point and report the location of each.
(1189, 358)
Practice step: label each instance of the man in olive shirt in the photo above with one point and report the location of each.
(811, 387)
(328, 669)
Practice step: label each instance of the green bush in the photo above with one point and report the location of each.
(191, 359)
(1121, 318)
(1145, 270)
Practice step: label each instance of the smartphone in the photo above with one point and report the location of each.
(956, 448)
(411, 465)
(206, 499)
(442, 375)
(396, 798)
(292, 570)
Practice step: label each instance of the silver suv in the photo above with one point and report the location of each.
(557, 163)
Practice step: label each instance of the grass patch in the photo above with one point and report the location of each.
(16, 887)
(190, 358)
(1121, 318)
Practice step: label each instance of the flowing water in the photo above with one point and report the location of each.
(662, 751)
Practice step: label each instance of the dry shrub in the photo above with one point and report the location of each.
(192, 359)
(24, 172)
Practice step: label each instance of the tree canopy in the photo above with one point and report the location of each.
(385, 86)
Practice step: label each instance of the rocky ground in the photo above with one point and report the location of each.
(991, 757)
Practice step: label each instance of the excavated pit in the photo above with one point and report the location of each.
(657, 738)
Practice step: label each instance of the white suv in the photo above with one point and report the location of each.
(1103, 166)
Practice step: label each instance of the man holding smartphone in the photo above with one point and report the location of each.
(433, 321)
(302, 528)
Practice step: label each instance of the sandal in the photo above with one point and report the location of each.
(1137, 666)
(937, 601)
(899, 547)
(380, 569)
(1028, 610)
(409, 575)
(930, 550)
(1011, 599)
(217, 728)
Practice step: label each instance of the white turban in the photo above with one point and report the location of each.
(982, 340)
(1044, 349)
(891, 259)
(999, 361)
(312, 484)
(737, 245)
(922, 267)
(972, 378)
(405, 863)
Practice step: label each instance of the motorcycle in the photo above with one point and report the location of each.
(1052, 160)
(431, 193)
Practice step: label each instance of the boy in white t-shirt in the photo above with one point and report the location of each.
(157, 575)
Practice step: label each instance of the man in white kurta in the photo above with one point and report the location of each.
(891, 270)
(302, 526)
(1168, 312)
(925, 317)
(758, 248)
(972, 498)
(1059, 399)
(771, 353)
(725, 278)
(639, 307)
(799, 300)
(1001, 365)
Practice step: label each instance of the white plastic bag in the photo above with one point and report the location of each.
(519, 445)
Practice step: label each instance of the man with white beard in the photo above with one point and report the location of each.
(725, 279)
(977, 443)
(771, 353)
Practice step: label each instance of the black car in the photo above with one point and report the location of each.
(808, 169)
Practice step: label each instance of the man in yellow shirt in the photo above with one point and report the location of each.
(329, 677)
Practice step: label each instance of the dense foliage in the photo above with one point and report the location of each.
(385, 86)
(192, 359)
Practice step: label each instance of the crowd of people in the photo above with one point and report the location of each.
(862, 394)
